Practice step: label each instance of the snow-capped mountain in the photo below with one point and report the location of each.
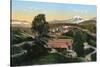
(75, 19)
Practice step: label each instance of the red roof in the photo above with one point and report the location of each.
(60, 43)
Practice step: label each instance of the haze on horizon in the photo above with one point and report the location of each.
(26, 10)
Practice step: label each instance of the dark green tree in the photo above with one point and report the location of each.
(40, 28)
(79, 37)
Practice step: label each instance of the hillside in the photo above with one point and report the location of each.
(88, 22)
(89, 25)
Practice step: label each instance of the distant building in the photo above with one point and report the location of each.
(60, 29)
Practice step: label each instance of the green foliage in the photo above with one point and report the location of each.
(94, 57)
(80, 59)
(57, 58)
(63, 37)
(79, 38)
(52, 58)
(15, 50)
(92, 42)
(91, 27)
(40, 26)
(34, 50)
(18, 36)
(41, 29)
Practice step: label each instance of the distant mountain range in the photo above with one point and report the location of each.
(91, 21)
(75, 20)
(20, 23)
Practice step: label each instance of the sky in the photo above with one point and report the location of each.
(26, 10)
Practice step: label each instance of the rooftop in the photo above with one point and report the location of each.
(60, 43)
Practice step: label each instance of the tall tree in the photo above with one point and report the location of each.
(41, 29)
(40, 26)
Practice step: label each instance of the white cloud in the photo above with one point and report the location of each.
(80, 11)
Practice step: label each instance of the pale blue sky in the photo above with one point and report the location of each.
(65, 10)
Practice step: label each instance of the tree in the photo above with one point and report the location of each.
(79, 37)
(39, 25)
(41, 30)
